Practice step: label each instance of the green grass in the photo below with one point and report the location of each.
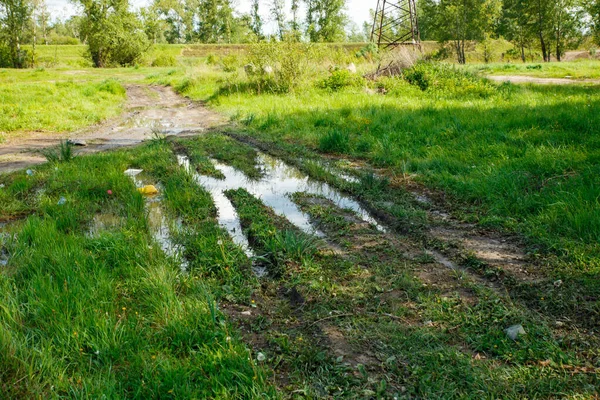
(520, 158)
(56, 107)
(110, 315)
(581, 69)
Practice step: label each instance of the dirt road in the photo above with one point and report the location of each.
(149, 110)
(541, 81)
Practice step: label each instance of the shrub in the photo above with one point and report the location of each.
(164, 60)
(114, 39)
(280, 67)
(368, 52)
(230, 63)
(448, 80)
(339, 79)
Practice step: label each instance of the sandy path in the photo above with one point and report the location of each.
(149, 109)
(541, 81)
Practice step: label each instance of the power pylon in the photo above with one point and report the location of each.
(396, 24)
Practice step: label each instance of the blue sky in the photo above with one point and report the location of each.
(358, 10)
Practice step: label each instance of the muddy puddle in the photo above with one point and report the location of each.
(276, 186)
(161, 227)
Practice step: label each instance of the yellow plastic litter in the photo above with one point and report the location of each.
(148, 190)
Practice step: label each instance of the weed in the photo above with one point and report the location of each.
(290, 245)
(335, 141)
(62, 153)
(340, 79)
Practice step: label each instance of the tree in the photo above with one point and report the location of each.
(278, 15)
(114, 34)
(593, 9)
(256, 23)
(295, 22)
(459, 21)
(14, 19)
(216, 21)
(540, 14)
(172, 12)
(154, 25)
(514, 24)
(41, 20)
(325, 20)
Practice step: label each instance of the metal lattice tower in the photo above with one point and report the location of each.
(396, 24)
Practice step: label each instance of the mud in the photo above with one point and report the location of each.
(149, 110)
(490, 248)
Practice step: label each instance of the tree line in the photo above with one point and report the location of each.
(547, 26)
(116, 35)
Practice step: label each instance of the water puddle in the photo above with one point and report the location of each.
(227, 215)
(104, 222)
(158, 223)
(279, 182)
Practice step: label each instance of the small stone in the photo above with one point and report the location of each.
(247, 313)
(515, 331)
(351, 68)
(559, 324)
(79, 143)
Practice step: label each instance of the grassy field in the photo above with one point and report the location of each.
(91, 305)
(580, 69)
(95, 302)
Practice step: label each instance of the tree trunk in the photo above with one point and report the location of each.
(544, 50)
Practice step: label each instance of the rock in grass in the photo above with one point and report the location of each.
(515, 331)
(78, 143)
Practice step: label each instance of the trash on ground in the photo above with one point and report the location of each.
(133, 172)
(515, 331)
(29, 172)
(62, 201)
(148, 190)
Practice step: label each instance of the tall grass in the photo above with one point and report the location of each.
(108, 314)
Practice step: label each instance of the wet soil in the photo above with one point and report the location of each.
(149, 110)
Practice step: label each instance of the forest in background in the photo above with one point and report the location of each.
(117, 35)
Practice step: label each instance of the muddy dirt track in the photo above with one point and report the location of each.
(149, 110)
(519, 79)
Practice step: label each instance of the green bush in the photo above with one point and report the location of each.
(164, 60)
(341, 78)
(115, 39)
(448, 80)
(280, 67)
(230, 63)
